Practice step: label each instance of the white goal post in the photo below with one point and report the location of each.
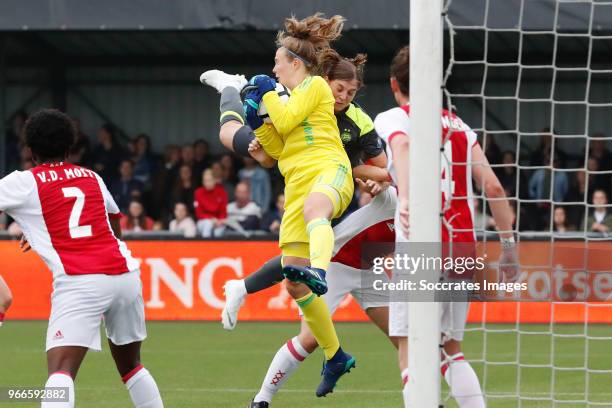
(426, 46)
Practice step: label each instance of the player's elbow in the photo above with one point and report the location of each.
(494, 189)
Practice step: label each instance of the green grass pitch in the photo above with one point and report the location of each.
(200, 365)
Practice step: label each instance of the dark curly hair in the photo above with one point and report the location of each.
(50, 134)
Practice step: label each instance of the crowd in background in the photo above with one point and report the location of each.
(189, 191)
(185, 189)
(553, 185)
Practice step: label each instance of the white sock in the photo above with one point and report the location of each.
(142, 388)
(405, 395)
(60, 379)
(463, 382)
(284, 363)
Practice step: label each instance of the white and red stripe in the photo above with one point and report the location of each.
(458, 140)
(64, 212)
(293, 350)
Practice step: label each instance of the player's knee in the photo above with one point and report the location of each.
(317, 205)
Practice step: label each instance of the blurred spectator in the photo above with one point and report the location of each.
(136, 219)
(492, 150)
(578, 189)
(507, 175)
(243, 215)
(182, 222)
(272, 219)
(13, 141)
(560, 223)
(540, 181)
(80, 151)
(107, 154)
(228, 165)
(201, 156)
(126, 188)
(218, 174)
(597, 181)
(166, 176)
(3, 221)
(184, 188)
(259, 181)
(599, 221)
(599, 151)
(210, 202)
(541, 156)
(25, 157)
(144, 160)
(188, 156)
(482, 220)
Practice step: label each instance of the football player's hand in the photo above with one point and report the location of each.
(24, 245)
(371, 186)
(508, 263)
(250, 113)
(264, 83)
(257, 87)
(257, 152)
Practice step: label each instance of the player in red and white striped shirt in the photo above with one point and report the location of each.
(465, 162)
(70, 219)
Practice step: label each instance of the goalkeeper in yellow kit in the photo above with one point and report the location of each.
(304, 138)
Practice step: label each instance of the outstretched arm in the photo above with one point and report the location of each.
(487, 181)
(287, 116)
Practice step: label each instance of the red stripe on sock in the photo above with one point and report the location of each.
(1, 317)
(62, 372)
(294, 352)
(132, 373)
(404, 380)
(445, 366)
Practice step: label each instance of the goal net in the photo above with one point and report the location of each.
(533, 78)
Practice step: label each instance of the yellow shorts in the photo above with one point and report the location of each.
(336, 182)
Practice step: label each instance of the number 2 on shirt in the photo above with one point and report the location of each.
(76, 230)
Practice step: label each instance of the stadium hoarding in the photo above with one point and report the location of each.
(183, 280)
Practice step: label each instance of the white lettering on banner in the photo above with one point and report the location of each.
(602, 285)
(539, 290)
(161, 271)
(205, 282)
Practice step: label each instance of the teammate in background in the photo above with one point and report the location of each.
(70, 219)
(468, 163)
(361, 143)
(372, 223)
(6, 298)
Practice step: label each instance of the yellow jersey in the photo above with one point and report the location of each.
(304, 132)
